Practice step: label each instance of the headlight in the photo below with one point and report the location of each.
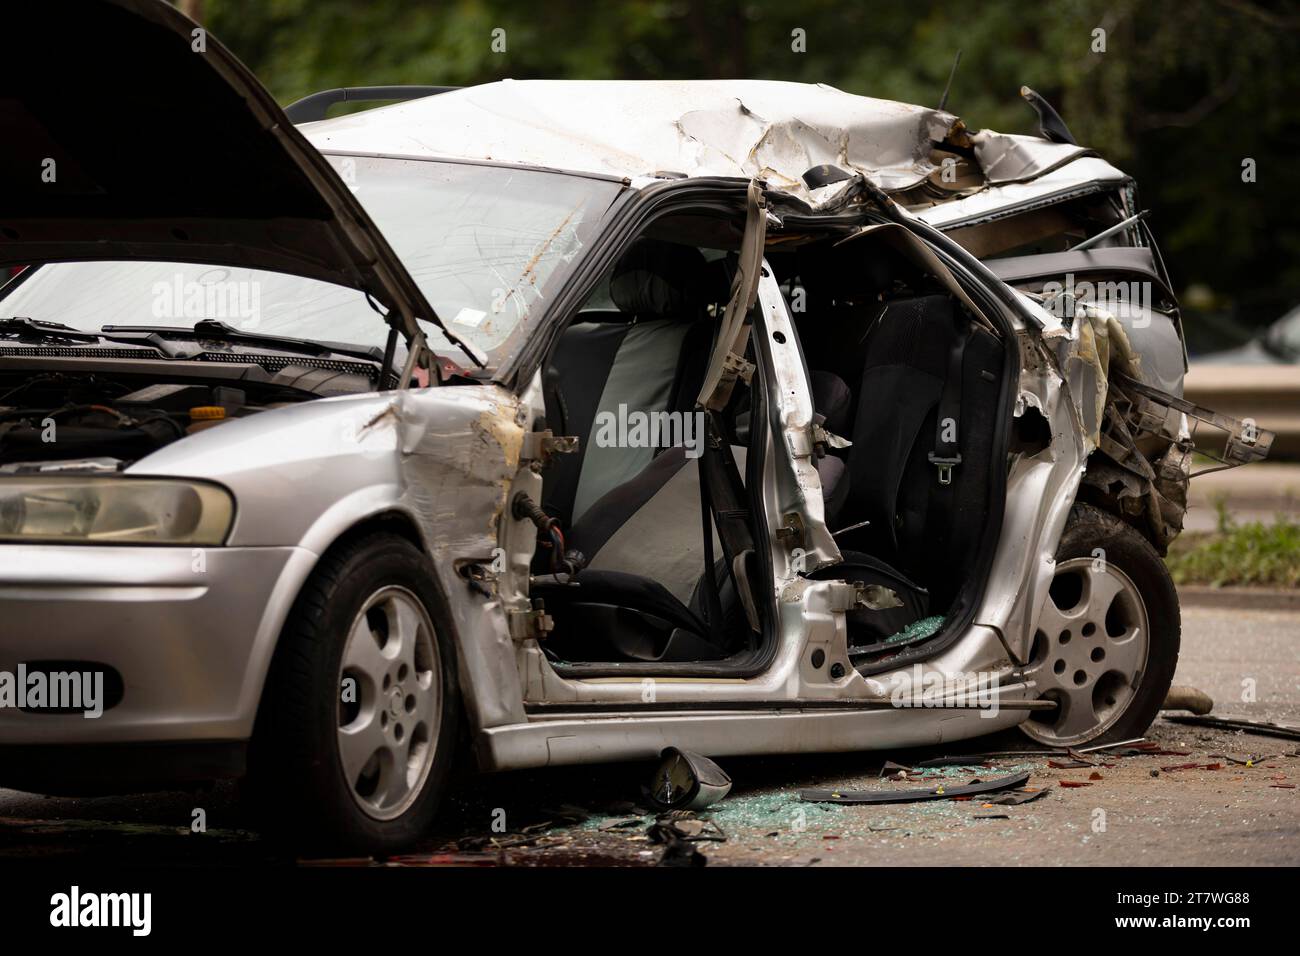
(113, 510)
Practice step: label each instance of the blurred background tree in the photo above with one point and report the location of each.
(1184, 92)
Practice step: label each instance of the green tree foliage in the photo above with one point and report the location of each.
(1183, 93)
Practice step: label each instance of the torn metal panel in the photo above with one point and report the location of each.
(1015, 158)
(460, 456)
(1099, 341)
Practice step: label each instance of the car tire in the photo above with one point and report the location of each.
(365, 660)
(1108, 635)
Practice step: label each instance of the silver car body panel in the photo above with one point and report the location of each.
(448, 459)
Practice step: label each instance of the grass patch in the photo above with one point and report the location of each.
(1253, 554)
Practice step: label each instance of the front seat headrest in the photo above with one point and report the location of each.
(662, 280)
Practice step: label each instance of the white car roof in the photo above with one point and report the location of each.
(636, 129)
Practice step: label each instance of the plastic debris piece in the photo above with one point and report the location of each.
(1264, 727)
(1016, 797)
(687, 780)
(913, 796)
(1247, 760)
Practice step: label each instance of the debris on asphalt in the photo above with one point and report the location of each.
(1152, 750)
(1193, 766)
(1135, 747)
(1188, 698)
(1068, 764)
(1262, 727)
(678, 832)
(625, 823)
(1073, 783)
(1014, 798)
(891, 769)
(941, 792)
(1247, 760)
(565, 812)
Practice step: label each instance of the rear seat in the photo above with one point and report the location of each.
(924, 360)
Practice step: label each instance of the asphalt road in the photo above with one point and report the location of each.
(1131, 811)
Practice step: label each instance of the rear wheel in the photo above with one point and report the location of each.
(1108, 635)
(358, 722)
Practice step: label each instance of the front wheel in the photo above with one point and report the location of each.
(358, 722)
(1108, 635)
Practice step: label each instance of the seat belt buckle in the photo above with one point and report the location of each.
(945, 466)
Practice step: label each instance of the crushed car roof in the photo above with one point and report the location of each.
(645, 128)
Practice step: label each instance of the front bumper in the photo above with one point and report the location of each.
(191, 631)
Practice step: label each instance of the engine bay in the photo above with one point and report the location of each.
(64, 415)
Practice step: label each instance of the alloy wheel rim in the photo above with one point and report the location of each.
(387, 728)
(1089, 653)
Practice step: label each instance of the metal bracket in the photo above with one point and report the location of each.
(945, 466)
(738, 367)
(792, 531)
(851, 595)
(540, 446)
(825, 439)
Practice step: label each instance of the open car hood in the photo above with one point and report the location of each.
(131, 133)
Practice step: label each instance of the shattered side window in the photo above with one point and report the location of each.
(485, 244)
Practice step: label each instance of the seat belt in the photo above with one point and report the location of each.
(940, 509)
(730, 509)
(713, 588)
(946, 455)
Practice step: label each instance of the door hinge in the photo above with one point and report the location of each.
(532, 624)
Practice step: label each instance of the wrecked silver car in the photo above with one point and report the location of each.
(571, 421)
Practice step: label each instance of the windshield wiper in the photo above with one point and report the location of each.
(34, 330)
(214, 329)
(22, 326)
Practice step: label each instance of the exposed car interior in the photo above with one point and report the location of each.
(632, 508)
(660, 564)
